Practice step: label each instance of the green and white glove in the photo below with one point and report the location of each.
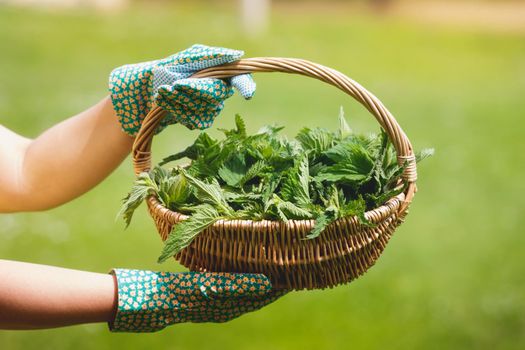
(149, 301)
(192, 102)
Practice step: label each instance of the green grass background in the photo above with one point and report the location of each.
(453, 276)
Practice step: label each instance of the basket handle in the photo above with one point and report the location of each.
(142, 145)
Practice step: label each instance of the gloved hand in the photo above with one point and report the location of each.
(149, 301)
(192, 102)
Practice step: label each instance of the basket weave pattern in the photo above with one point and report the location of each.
(344, 251)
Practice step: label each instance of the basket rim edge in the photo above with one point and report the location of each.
(375, 215)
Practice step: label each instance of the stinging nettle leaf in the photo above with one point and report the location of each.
(321, 222)
(184, 232)
(315, 141)
(424, 153)
(233, 170)
(142, 188)
(255, 170)
(354, 165)
(344, 128)
(210, 193)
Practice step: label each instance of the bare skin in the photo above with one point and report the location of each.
(38, 296)
(90, 146)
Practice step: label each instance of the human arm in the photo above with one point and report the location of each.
(62, 163)
(73, 156)
(38, 296)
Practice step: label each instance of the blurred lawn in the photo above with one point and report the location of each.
(453, 276)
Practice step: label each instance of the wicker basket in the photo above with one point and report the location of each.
(343, 252)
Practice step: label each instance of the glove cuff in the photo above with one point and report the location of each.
(131, 95)
(144, 301)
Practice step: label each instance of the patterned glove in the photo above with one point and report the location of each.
(192, 102)
(149, 301)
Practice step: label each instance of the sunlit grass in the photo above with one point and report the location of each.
(451, 276)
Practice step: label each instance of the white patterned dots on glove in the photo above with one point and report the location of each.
(149, 301)
(135, 87)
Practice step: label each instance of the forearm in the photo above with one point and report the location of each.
(38, 296)
(62, 163)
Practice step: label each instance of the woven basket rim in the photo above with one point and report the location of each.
(375, 215)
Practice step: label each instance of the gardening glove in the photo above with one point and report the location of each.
(192, 102)
(149, 301)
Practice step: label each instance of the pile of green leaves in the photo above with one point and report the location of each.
(320, 175)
